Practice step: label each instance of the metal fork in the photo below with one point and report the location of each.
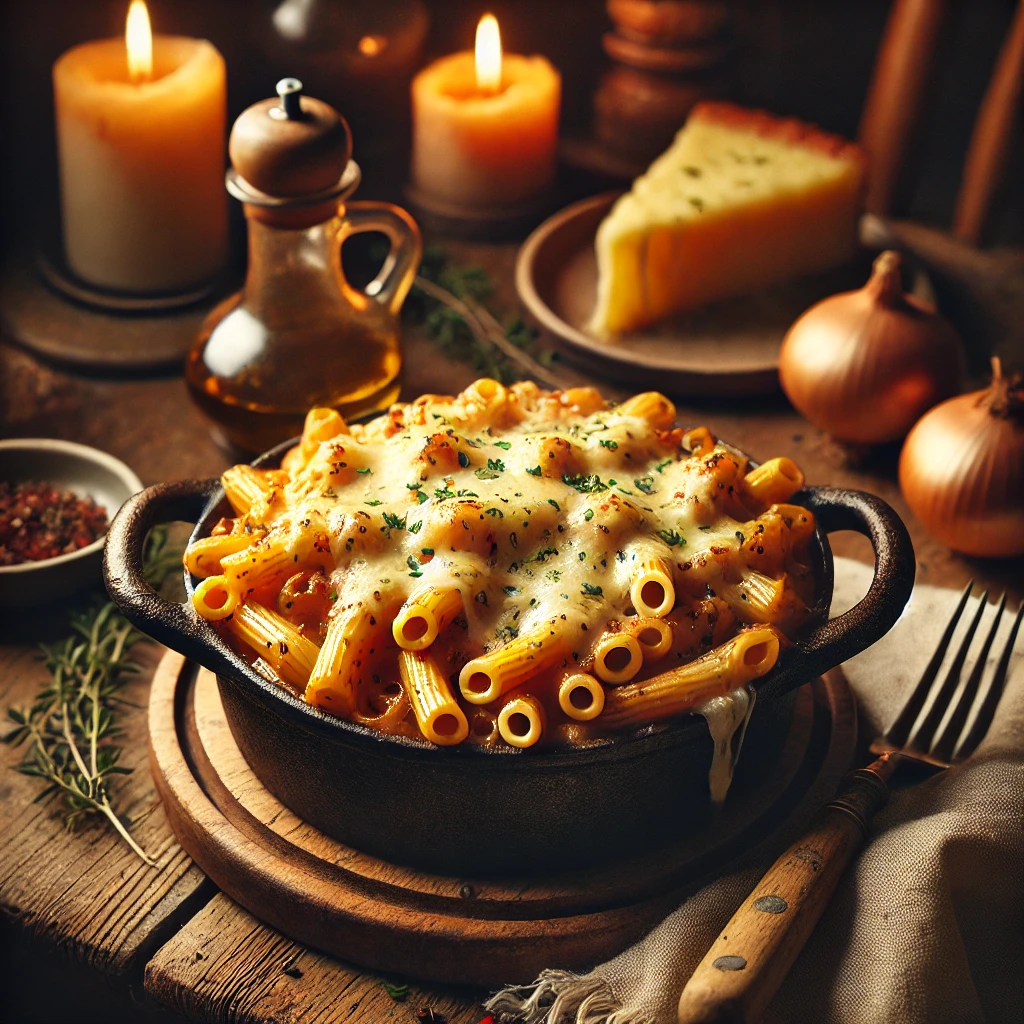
(748, 961)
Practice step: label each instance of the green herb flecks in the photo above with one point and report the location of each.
(589, 590)
(672, 538)
(585, 484)
(494, 468)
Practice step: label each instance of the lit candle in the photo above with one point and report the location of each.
(141, 141)
(485, 126)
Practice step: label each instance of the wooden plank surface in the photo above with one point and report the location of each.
(86, 892)
(226, 967)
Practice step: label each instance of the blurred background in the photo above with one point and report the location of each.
(808, 58)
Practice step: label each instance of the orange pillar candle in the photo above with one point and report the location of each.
(141, 138)
(485, 125)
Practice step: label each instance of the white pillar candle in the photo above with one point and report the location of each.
(485, 126)
(142, 163)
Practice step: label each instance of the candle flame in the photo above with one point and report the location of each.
(488, 55)
(138, 38)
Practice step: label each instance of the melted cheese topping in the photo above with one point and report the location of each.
(536, 521)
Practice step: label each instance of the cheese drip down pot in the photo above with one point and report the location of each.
(478, 811)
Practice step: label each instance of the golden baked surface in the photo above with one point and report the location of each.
(508, 548)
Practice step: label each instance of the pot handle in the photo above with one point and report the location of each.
(895, 567)
(174, 625)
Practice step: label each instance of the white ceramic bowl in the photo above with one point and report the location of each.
(84, 471)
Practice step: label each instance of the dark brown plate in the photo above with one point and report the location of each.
(726, 348)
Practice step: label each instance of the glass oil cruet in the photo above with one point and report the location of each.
(298, 334)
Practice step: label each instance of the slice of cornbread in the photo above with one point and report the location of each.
(739, 201)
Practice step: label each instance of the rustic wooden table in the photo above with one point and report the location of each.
(90, 932)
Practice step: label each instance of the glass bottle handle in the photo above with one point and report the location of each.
(392, 284)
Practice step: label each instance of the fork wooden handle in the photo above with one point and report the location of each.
(743, 969)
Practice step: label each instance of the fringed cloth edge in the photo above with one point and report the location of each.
(561, 997)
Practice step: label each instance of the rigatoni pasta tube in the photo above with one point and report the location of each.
(652, 590)
(424, 615)
(384, 709)
(759, 598)
(774, 481)
(202, 557)
(651, 406)
(521, 721)
(438, 714)
(337, 670)
(276, 640)
(215, 598)
(747, 656)
(486, 678)
(617, 658)
(243, 485)
(653, 635)
(580, 696)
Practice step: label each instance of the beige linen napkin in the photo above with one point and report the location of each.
(927, 926)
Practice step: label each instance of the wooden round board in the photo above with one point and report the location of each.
(727, 348)
(462, 930)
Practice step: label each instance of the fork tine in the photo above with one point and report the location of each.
(987, 710)
(942, 748)
(925, 732)
(898, 732)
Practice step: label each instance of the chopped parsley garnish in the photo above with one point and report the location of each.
(332, 596)
(463, 459)
(554, 575)
(608, 444)
(672, 538)
(427, 551)
(414, 565)
(536, 471)
(363, 472)
(591, 591)
(494, 467)
(414, 487)
(583, 556)
(544, 554)
(554, 504)
(506, 633)
(465, 492)
(393, 521)
(443, 492)
(415, 528)
(645, 484)
(373, 502)
(495, 512)
(422, 496)
(503, 444)
(660, 467)
(585, 484)
(588, 515)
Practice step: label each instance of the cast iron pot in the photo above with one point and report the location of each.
(470, 810)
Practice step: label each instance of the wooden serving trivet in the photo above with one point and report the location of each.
(462, 930)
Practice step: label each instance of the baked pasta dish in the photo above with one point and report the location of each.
(509, 566)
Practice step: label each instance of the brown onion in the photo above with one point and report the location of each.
(865, 365)
(962, 469)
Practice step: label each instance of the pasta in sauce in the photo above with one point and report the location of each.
(510, 566)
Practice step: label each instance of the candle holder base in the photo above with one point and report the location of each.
(89, 331)
(479, 223)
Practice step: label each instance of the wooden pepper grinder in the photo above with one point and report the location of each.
(298, 334)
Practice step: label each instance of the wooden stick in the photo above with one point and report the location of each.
(744, 968)
(990, 141)
(894, 111)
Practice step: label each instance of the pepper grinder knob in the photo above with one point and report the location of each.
(291, 147)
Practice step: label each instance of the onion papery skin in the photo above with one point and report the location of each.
(865, 365)
(962, 474)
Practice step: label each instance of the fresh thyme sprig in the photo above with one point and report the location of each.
(71, 726)
(450, 303)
